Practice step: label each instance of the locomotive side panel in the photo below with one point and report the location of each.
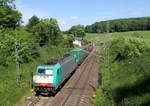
(68, 66)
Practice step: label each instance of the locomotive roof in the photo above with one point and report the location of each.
(77, 49)
(58, 60)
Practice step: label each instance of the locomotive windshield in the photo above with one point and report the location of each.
(41, 71)
(44, 72)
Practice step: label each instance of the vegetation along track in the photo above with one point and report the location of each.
(78, 90)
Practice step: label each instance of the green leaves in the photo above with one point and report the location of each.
(122, 48)
(77, 31)
(125, 72)
(119, 25)
(6, 47)
(33, 21)
(9, 42)
(47, 32)
(9, 16)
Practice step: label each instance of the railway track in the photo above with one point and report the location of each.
(77, 91)
(37, 101)
(71, 92)
(84, 87)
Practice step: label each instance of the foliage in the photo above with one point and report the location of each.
(119, 25)
(125, 69)
(20, 52)
(47, 32)
(33, 21)
(10, 90)
(10, 41)
(9, 17)
(125, 82)
(127, 48)
(68, 41)
(77, 31)
(101, 38)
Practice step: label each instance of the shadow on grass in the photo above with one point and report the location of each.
(142, 87)
(146, 104)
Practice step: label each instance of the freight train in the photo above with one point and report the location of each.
(51, 75)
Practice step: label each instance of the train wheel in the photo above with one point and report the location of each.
(53, 92)
(37, 93)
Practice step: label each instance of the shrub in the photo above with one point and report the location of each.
(125, 74)
(123, 48)
(12, 44)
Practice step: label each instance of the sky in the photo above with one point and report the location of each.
(84, 12)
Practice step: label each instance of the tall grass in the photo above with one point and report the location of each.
(98, 38)
(10, 90)
(125, 69)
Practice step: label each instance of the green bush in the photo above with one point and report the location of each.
(47, 32)
(125, 74)
(122, 48)
(11, 43)
(67, 41)
(12, 91)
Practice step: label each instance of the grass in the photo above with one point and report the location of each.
(10, 91)
(100, 38)
(125, 68)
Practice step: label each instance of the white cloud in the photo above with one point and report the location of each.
(62, 21)
(74, 17)
(99, 18)
(28, 12)
(65, 27)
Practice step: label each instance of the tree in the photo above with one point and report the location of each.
(47, 31)
(119, 25)
(34, 20)
(10, 40)
(88, 29)
(77, 31)
(9, 16)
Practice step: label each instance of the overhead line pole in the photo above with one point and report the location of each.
(17, 64)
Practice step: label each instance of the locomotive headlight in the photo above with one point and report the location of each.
(49, 72)
(34, 78)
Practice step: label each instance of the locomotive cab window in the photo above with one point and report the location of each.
(41, 71)
(49, 72)
(45, 72)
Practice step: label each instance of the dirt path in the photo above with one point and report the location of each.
(79, 89)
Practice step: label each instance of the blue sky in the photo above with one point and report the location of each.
(85, 12)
